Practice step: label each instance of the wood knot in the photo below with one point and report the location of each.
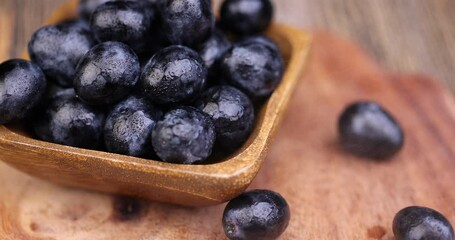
(34, 226)
(376, 232)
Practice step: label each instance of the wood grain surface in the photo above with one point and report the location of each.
(332, 195)
(405, 36)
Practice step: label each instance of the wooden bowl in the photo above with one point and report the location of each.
(190, 185)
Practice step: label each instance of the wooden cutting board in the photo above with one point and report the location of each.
(332, 194)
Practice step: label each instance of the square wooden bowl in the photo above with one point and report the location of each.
(190, 185)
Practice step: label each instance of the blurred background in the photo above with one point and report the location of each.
(407, 36)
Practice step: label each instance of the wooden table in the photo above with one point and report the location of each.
(406, 36)
(333, 195)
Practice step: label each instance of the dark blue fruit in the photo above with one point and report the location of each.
(254, 67)
(70, 122)
(124, 21)
(186, 22)
(214, 48)
(129, 126)
(232, 113)
(128, 208)
(87, 7)
(256, 214)
(22, 86)
(107, 73)
(185, 135)
(261, 39)
(421, 223)
(246, 17)
(56, 92)
(212, 51)
(57, 49)
(367, 130)
(173, 75)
